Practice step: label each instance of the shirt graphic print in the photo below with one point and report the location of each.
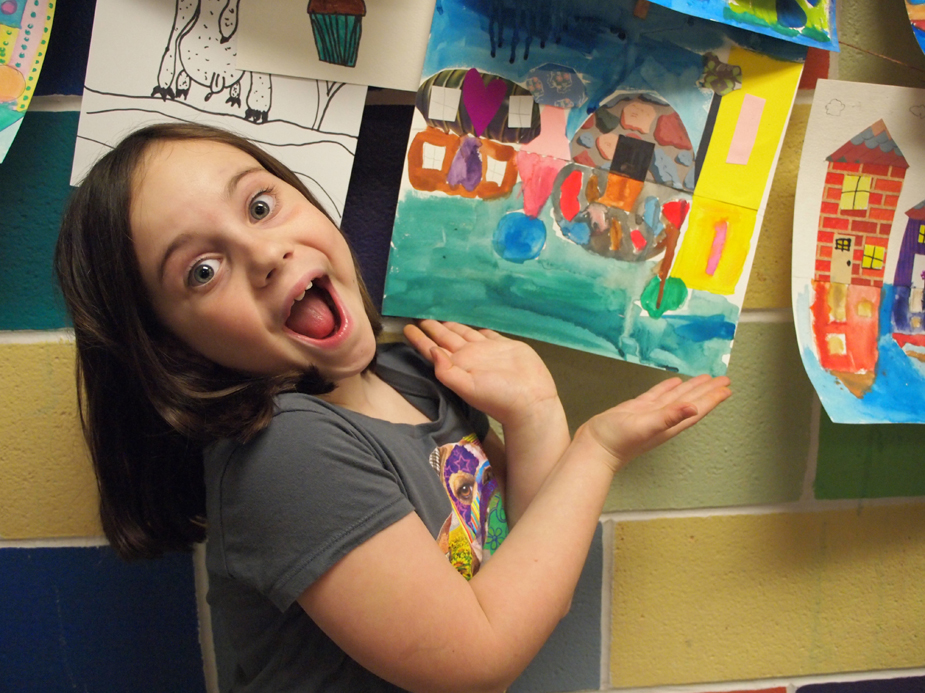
(477, 524)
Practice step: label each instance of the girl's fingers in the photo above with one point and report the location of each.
(443, 335)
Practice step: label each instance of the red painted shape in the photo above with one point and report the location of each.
(876, 169)
(832, 178)
(816, 67)
(830, 208)
(845, 167)
(639, 241)
(837, 223)
(893, 186)
(914, 339)
(568, 200)
(676, 212)
(584, 158)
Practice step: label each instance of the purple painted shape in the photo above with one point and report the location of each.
(481, 100)
(466, 168)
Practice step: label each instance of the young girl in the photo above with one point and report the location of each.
(232, 389)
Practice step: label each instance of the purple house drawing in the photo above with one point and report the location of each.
(908, 314)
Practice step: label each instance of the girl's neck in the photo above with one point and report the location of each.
(367, 394)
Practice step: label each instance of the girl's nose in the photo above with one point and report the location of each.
(266, 256)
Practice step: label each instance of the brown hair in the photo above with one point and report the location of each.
(148, 403)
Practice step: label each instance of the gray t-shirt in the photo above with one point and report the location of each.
(319, 481)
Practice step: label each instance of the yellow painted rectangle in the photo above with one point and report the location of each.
(693, 261)
(48, 488)
(747, 597)
(766, 78)
(769, 283)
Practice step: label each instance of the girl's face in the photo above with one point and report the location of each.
(242, 268)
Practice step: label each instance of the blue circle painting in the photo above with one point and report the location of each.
(518, 237)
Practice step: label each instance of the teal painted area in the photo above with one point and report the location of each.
(443, 266)
(33, 191)
(869, 461)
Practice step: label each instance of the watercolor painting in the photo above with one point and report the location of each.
(25, 26)
(916, 12)
(378, 44)
(859, 252)
(590, 178)
(808, 22)
(183, 67)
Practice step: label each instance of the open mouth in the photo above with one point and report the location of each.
(315, 314)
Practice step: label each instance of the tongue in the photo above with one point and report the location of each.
(311, 316)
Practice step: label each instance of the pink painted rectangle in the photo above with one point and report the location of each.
(746, 132)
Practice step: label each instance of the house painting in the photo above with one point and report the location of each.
(862, 186)
(908, 313)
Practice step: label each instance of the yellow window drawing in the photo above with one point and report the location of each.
(921, 233)
(873, 257)
(855, 192)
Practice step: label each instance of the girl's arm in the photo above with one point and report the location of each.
(397, 606)
(507, 380)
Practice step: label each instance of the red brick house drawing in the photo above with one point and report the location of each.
(862, 185)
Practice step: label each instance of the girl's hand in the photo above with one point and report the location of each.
(633, 427)
(502, 377)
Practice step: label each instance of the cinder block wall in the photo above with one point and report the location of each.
(767, 549)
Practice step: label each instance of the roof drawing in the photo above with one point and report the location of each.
(872, 146)
(918, 212)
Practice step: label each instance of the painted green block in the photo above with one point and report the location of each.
(869, 461)
(753, 450)
(34, 179)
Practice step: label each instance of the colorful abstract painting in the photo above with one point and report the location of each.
(916, 11)
(859, 252)
(589, 177)
(808, 22)
(25, 26)
(183, 67)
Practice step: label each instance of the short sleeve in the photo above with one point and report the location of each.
(297, 499)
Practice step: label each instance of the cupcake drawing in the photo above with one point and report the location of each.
(337, 26)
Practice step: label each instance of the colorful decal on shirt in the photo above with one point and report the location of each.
(477, 525)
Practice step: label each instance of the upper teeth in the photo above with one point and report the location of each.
(302, 295)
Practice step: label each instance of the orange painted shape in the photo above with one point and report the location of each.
(621, 192)
(844, 166)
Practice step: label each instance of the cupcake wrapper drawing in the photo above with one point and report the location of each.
(337, 26)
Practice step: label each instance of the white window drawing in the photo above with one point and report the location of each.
(444, 103)
(495, 170)
(520, 111)
(433, 156)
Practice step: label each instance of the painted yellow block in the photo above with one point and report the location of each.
(769, 283)
(754, 596)
(775, 81)
(708, 218)
(48, 487)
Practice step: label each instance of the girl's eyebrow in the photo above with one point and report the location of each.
(238, 177)
(183, 238)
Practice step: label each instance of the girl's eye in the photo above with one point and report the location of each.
(261, 206)
(203, 272)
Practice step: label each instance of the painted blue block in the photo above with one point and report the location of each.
(34, 180)
(914, 684)
(80, 619)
